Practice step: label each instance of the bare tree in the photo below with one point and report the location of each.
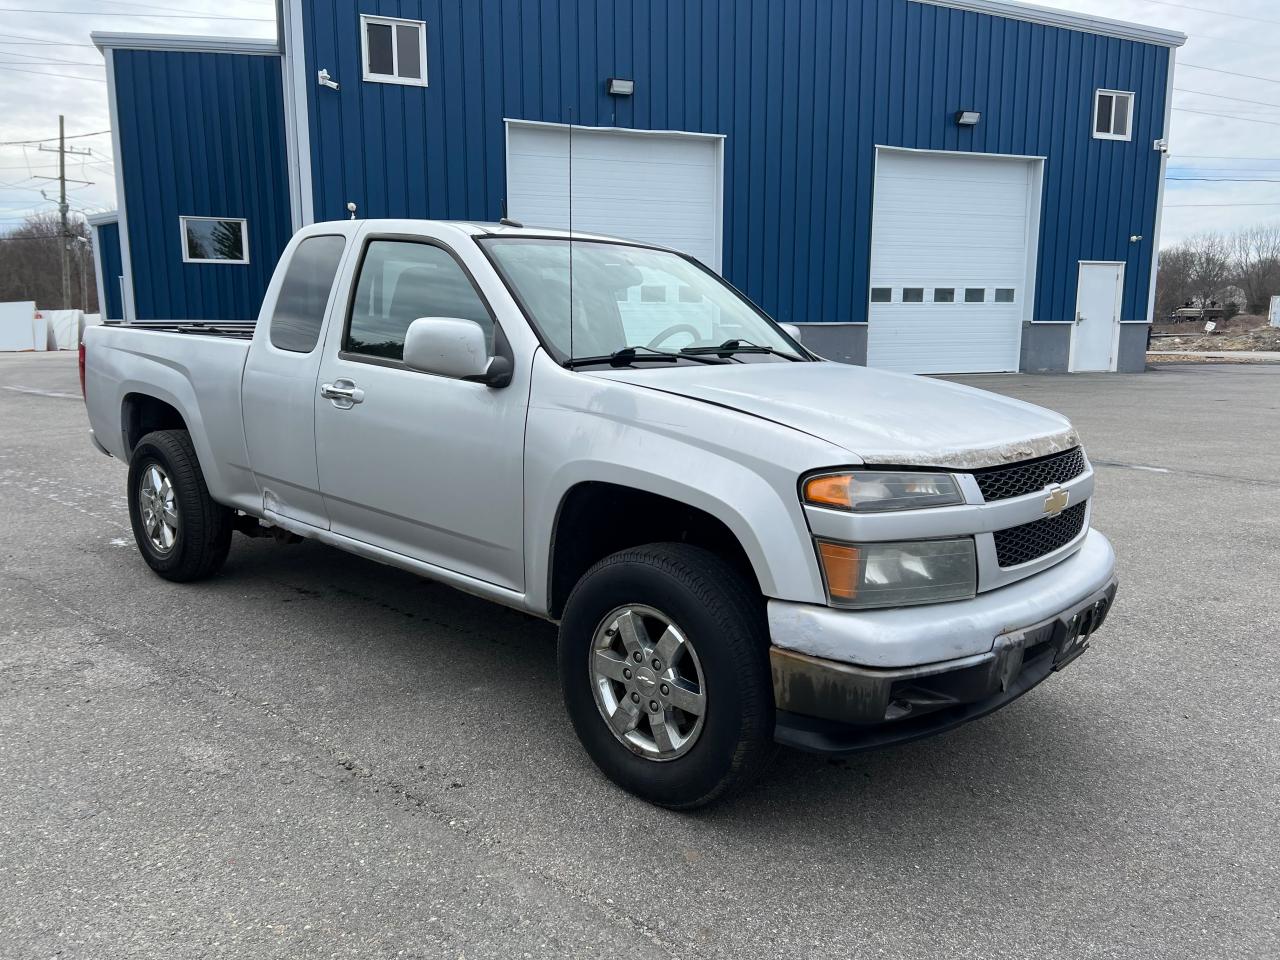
(1173, 281)
(1210, 267)
(1255, 264)
(30, 264)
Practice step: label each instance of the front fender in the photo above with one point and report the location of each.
(739, 469)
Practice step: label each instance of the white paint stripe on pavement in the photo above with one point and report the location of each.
(36, 391)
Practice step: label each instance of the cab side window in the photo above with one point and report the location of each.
(401, 281)
(304, 294)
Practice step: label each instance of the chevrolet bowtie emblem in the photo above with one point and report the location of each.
(1056, 502)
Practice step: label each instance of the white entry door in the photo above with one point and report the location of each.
(660, 187)
(1096, 334)
(952, 248)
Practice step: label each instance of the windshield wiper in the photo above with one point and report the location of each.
(628, 355)
(730, 347)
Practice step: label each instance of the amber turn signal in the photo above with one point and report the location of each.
(840, 567)
(829, 491)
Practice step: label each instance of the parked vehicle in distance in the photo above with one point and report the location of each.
(743, 544)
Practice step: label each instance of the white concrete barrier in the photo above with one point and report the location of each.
(20, 329)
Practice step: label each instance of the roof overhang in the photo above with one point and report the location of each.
(103, 218)
(105, 41)
(1083, 22)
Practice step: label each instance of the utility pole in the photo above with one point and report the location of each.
(62, 211)
(64, 230)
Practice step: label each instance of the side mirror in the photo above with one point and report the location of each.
(792, 331)
(452, 348)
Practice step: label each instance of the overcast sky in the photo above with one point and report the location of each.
(48, 66)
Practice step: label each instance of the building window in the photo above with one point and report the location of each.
(1113, 115)
(882, 294)
(1004, 295)
(395, 51)
(975, 294)
(913, 294)
(400, 281)
(304, 293)
(944, 294)
(214, 240)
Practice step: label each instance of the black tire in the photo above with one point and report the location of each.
(204, 529)
(723, 618)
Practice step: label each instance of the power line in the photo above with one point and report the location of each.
(74, 136)
(1220, 96)
(1229, 73)
(147, 6)
(1221, 13)
(1207, 113)
(1221, 156)
(99, 64)
(59, 76)
(138, 16)
(1276, 204)
(44, 40)
(48, 62)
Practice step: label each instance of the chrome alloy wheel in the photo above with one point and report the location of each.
(159, 509)
(647, 682)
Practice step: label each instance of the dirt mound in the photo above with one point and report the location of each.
(1244, 332)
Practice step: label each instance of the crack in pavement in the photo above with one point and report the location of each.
(1199, 474)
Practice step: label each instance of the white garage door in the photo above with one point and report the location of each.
(950, 255)
(661, 188)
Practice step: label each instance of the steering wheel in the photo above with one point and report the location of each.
(671, 331)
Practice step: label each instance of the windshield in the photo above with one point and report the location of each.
(627, 297)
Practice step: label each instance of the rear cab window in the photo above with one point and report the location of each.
(304, 293)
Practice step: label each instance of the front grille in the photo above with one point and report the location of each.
(1001, 483)
(1033, 540)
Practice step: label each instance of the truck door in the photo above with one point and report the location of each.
(426, 466)
(278, 391)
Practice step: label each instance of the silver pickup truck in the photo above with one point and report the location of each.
(742, 544)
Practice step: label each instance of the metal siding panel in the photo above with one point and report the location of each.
(109, 252)
(811, 212)
(201, 135)
(802, 90)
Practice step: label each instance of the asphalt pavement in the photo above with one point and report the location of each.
(312, 755)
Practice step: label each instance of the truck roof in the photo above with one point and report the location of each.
(474, 228)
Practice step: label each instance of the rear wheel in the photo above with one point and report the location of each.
(664, 666)
(181, 532)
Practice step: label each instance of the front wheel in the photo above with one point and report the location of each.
(664, 665)
(181, 532)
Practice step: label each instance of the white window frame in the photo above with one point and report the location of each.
(1097, 97)
(393, 23)
(244, 239)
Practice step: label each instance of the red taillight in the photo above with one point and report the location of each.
(83, 393)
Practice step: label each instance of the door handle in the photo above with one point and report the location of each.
(1079, 317)
(344, 394)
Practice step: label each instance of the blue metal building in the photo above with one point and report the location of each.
(928, 185)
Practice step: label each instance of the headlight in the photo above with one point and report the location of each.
(898, 574)
(873, 492)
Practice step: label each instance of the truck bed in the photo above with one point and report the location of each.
(196, 369)
(232, 329)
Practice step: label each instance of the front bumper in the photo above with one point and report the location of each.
(1023, 633)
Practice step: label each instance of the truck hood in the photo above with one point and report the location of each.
(880, 417)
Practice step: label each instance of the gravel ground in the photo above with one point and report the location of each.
(315, 756)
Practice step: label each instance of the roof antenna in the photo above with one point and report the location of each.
(505, 220)
(571, 233)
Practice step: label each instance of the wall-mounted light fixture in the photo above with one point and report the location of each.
(621, 88)
(968, 118)
(325, 80)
